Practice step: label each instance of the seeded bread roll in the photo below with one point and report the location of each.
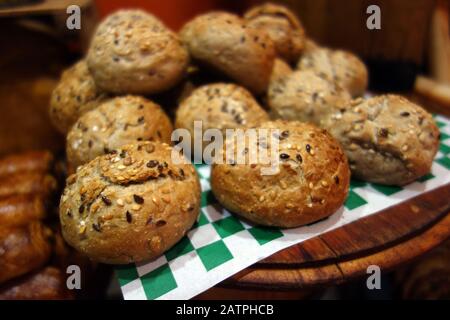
(312, 180)
(133, 52)
(130, 205)
(219, 106)
(339, 66)
(114, 123)
(75, 94)
(222, 41)
(305, 96)
(387, 139)
(282, 26)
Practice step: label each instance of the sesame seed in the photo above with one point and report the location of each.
(299, 157)
(149, 148)
(324, 183)
(120, 202)
(81, 209)
(405, 148)
(284, 156)
(308, 148)
(311, 185)
(405, 114)
(82, 229)
(336, 179)
(135, 207)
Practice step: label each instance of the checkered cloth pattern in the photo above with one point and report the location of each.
(220, 244)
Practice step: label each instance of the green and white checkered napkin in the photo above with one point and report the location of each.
(219, 244)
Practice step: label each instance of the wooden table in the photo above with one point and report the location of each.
(388, 239)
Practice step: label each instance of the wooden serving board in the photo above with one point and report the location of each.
(388, 239)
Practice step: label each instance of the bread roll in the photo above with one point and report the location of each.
(311, 181)
(23, 249)
(134, 52)
(130, 205)
(223, 42)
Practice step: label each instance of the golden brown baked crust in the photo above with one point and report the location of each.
(130, 205)
(220, 106)
(387, 139)
(312, 182)
(282, 26)
(21, 209)
(305, 96)
(75, 94)
(36, 161)
(339, 66)
(27, 183)
(23, 249)
(46, 284)
(133, 52)
(116, 122)
(222, 41)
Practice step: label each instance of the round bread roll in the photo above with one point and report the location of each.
(130, 205)
(387, 139)
(219, 106)
(282, 26)
(133, 52)
(222, 41)
(312, 180)
(75, 94)
(114, 123)
(305, 96)
(339, 66)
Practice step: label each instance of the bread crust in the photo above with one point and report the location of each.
(134, 52)
(116, 122)
(305, 96)
(312, 182)
(283, 27)
(75, 94)
(223, 42)
(130, 205)
(220, 106)
(387, 139)
(338, 66)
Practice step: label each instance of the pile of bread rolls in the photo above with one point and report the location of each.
(30, 250)
(127, 202)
